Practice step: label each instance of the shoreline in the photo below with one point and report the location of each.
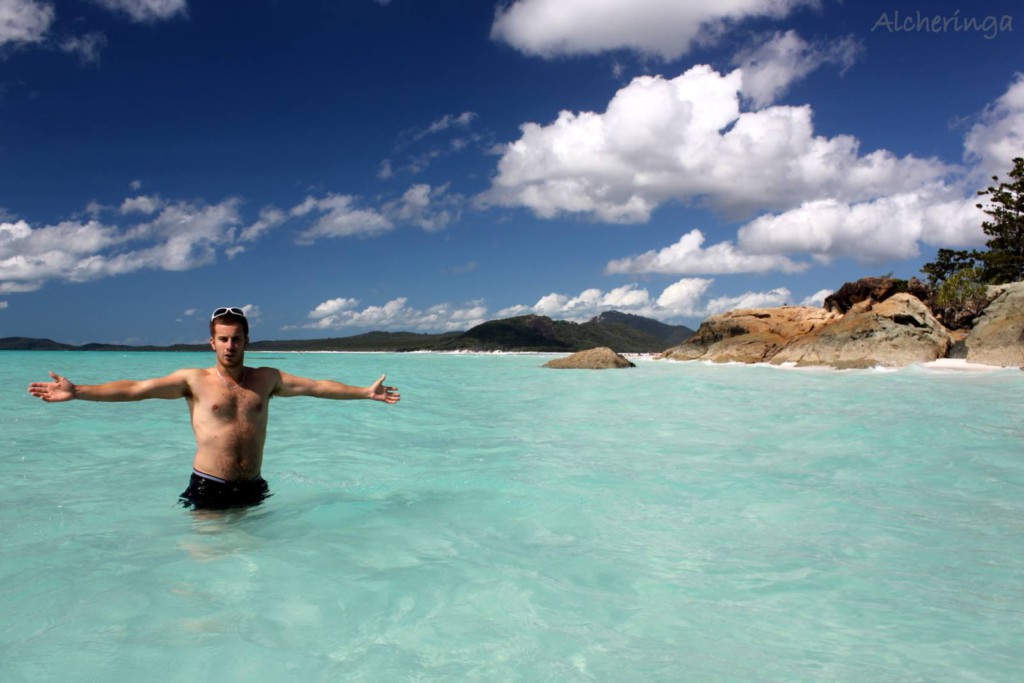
(940, 364)
(961, 365)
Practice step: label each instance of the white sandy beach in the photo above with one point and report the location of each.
(961, 365)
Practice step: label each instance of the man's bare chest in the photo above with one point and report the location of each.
(236, 405)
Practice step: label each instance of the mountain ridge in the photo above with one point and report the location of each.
(622, 332)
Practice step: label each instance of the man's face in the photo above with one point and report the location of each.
(229, 342)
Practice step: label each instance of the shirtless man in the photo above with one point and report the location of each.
(229, 404)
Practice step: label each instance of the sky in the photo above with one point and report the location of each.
(340, 166)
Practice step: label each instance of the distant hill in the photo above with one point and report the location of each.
(622, 332)
(371, 341)
(672, 335)
(29, 344)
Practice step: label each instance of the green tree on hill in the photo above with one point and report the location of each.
(960, 277)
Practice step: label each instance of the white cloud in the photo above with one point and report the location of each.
(29, 257)
(817, 299)
(342, 313)
(183, 235)
(11, 287)
(20, 239)
(998, 137)
(514, 311)
(451, 134)
(686, 139)
(87, 47)
(333, 307)
(187, 235)
(447, 121)
(430, 208)
(269, 219)
(146, 10)
(678, 300)
(771, 299)
(339, 217)
(475, 313)
(682, 298)
(688, 257)
(24, 21)
(869, 232)
(142, 204)
(653, 27)
(769, 69)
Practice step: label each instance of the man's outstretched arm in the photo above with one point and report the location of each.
(290, 385)
(62, 389)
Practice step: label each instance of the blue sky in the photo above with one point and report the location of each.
(338, 166)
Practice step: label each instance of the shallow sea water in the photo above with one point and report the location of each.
(506, 522)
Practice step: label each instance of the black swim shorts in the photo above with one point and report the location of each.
(207, 492)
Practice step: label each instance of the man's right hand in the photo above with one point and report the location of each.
(60, 389)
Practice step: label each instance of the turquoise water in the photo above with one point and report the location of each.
(506, 522)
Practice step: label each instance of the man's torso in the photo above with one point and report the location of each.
(230, 421)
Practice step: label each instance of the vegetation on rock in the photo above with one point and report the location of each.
(961, 277)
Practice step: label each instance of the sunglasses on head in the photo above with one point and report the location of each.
(225, 311)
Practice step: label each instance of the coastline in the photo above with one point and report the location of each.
(940, 364)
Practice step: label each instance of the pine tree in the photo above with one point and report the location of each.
(948, 263)
(1004, 260)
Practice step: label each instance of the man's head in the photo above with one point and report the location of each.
(229, 335)
(229, 315)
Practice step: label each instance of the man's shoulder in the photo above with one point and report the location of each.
(191, 376)
(266, 376)
(194, 377)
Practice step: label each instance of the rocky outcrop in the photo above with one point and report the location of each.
(897, 331)
(750, 335)
(601, 358)
(997, 337)
(876, 289)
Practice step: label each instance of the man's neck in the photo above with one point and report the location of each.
(234, 372)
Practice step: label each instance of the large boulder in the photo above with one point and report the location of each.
(876, 289)
(601, 358)
(997, 337)
(897, 331)
(750, 335)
